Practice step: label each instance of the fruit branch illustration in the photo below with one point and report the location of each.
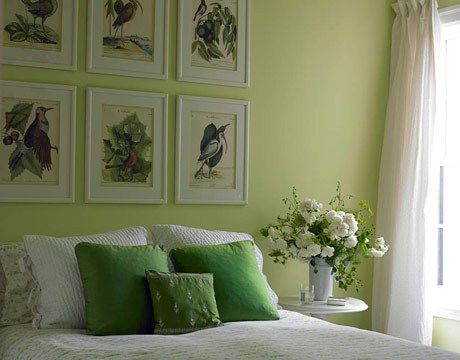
(125, 151)
(124, 13)
(213, 28)
(211, 150)
(30, 31)
(33, 146)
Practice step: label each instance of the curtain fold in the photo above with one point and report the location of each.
(402, 277)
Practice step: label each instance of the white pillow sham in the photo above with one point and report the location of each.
(59, 300)
(15, 286)
(177, 236)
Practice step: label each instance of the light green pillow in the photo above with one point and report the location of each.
(182, 303)
(240, 290)
(116, 290)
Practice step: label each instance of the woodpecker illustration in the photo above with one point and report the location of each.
(36, 139)
(201, 9)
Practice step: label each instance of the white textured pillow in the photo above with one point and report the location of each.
(176, 236)
(59, 301)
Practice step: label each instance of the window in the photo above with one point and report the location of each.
(448, 234)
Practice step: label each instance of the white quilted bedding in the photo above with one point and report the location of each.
(293, 337)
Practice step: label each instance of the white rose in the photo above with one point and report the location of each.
(376, 253)
(331, 215)
(341, 214)
(350, 220)
(305, 205)
(304, 239)
(310, 218)
(281, 244)
(328, 251)
(380, 242)
(338, 230)
(314, 250)
(351, 242)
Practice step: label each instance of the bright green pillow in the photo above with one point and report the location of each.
(182, 303)
(240, 290)
(116, 291)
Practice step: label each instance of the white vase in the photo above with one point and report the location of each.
(323, 280)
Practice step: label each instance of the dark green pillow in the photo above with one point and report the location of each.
(240, 290)
(182, 303)
(116, 290)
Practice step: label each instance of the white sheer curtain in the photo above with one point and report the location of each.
(402, 278)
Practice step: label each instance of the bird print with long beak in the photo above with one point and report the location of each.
(211, 149)
(126, 13)
(36, 140)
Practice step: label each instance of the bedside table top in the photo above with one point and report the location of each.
(319, 307)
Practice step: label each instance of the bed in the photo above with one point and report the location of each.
(295, 336)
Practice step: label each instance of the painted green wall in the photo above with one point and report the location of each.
(319, 83)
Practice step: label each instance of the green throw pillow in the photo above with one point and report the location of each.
(182, 303)
(115, 286)
(240, 290)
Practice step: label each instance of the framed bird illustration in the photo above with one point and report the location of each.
(126, 147)
(40, 33)
(37, 123)
(213, 42)
(212, 151)
(128, 37)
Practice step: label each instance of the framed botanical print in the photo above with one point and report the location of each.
(128, 37)
(211, 151)
(39, 33)
(213, 42)
(37, 123)
(126, 146)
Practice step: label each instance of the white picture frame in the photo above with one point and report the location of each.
(25, 53)
(191, 68)
(227, 181)
(115, 106)
(155, 68)
(56, 182)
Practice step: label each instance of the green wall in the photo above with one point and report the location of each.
(319, 83)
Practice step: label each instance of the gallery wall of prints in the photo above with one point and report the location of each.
(126, 142)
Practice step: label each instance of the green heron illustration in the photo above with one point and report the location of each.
(211, 149)
(125, 14)
(201, 10)
(36, 139)
(41, 9)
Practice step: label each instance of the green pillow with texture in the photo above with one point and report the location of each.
(116, 290)
(182, 303)
(240, 290)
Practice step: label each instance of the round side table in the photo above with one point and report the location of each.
(319, 309)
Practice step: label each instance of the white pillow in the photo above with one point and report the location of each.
(176, 236)
(59, 301)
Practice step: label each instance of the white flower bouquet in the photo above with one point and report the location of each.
(339, 236)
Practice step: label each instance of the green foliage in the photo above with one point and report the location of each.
(219, 24)
(18, 116)
(21, 31)
(109, 10)
(125, 151)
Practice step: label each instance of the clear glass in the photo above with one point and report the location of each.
(306, 294)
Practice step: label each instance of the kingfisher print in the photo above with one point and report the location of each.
(211, 149)
(28, 130)
(212, 157)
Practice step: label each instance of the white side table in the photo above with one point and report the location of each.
(319, 309)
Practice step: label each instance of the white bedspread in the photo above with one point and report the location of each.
(293, 337)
